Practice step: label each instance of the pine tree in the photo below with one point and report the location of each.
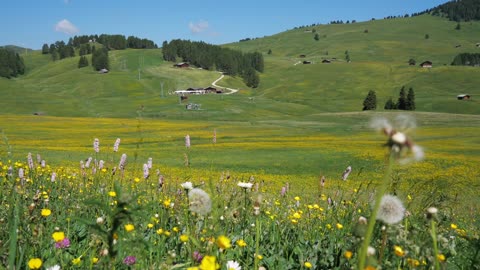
(45, 48)
(83, 62)
(402, 99)
(370, 102)
(316, 37)
(389, 105)
(410, 104)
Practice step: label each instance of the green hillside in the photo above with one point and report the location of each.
(379, 51)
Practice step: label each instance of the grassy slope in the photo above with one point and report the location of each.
(287, 91)
(379, 62)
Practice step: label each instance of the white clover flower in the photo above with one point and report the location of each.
(187, 185)
(200, 202)
(100, 220)
(245, 185)
(391, 210)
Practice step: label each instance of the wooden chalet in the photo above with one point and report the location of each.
(182, 65)
(326, 61)
(463, 97)
(426, 64)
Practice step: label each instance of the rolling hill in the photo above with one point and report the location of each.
(379, 51)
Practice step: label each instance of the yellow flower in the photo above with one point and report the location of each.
(136, 179)
(241, 243)
(307, 265)
(149, 225)
(184, 238)
(129, 227)
(399, 251)
(175, 229)
(112, 194)
(209, 263)
(259, 257)
(348, 254)
(223, 242)
(453, 226)
(46, 212)
(77, 261)
(35, 263)
(166, 203)
(159, 231)
(297, 215)
(167, 233)
(193, 268)
(339, 226)
(94, 260)
(297, 198)
(413, 262)
(441, 257)
(294, 221)
(58, 236)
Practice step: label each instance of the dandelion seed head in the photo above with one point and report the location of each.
(200, 202)
(391, 210)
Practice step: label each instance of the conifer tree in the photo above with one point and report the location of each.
(410, 104)
(389, 105)
(402, 99)
(45, 49)
(370, 102)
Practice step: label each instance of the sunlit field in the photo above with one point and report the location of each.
(239, 194)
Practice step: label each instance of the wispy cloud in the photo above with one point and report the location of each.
(66, 27)
(66, 1)
(198, 27)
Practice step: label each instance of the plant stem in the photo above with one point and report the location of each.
(435, 246)
(371, 221)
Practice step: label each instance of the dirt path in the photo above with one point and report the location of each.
(232, 91)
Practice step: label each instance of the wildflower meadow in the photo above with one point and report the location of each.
(166, 195)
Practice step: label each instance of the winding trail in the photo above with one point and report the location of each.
(232, 91)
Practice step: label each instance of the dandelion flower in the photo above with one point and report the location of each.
(129, 227)
(441, 257)
(200, 202)
(46, 212)
(77, 261)
(308, 265)
(209, 263)
(398, 251)
(112, 193)
(233, 265)
(58, 236)
(245, 185)
(223, 242)
(184, 238)
(391, 210)
(241, 243)
(348, 254)
(35, 263)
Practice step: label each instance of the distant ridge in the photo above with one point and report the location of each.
(17, 49)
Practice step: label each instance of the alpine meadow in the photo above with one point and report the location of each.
(348, 145)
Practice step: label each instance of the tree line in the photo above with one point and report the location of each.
(11, 63)
(466, 59)
(406, 101)
(465, 10)
(213, 57)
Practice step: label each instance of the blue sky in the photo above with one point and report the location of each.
(31, 23)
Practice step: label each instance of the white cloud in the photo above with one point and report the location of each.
(198, 27)
(66, 1)
(66, 27)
